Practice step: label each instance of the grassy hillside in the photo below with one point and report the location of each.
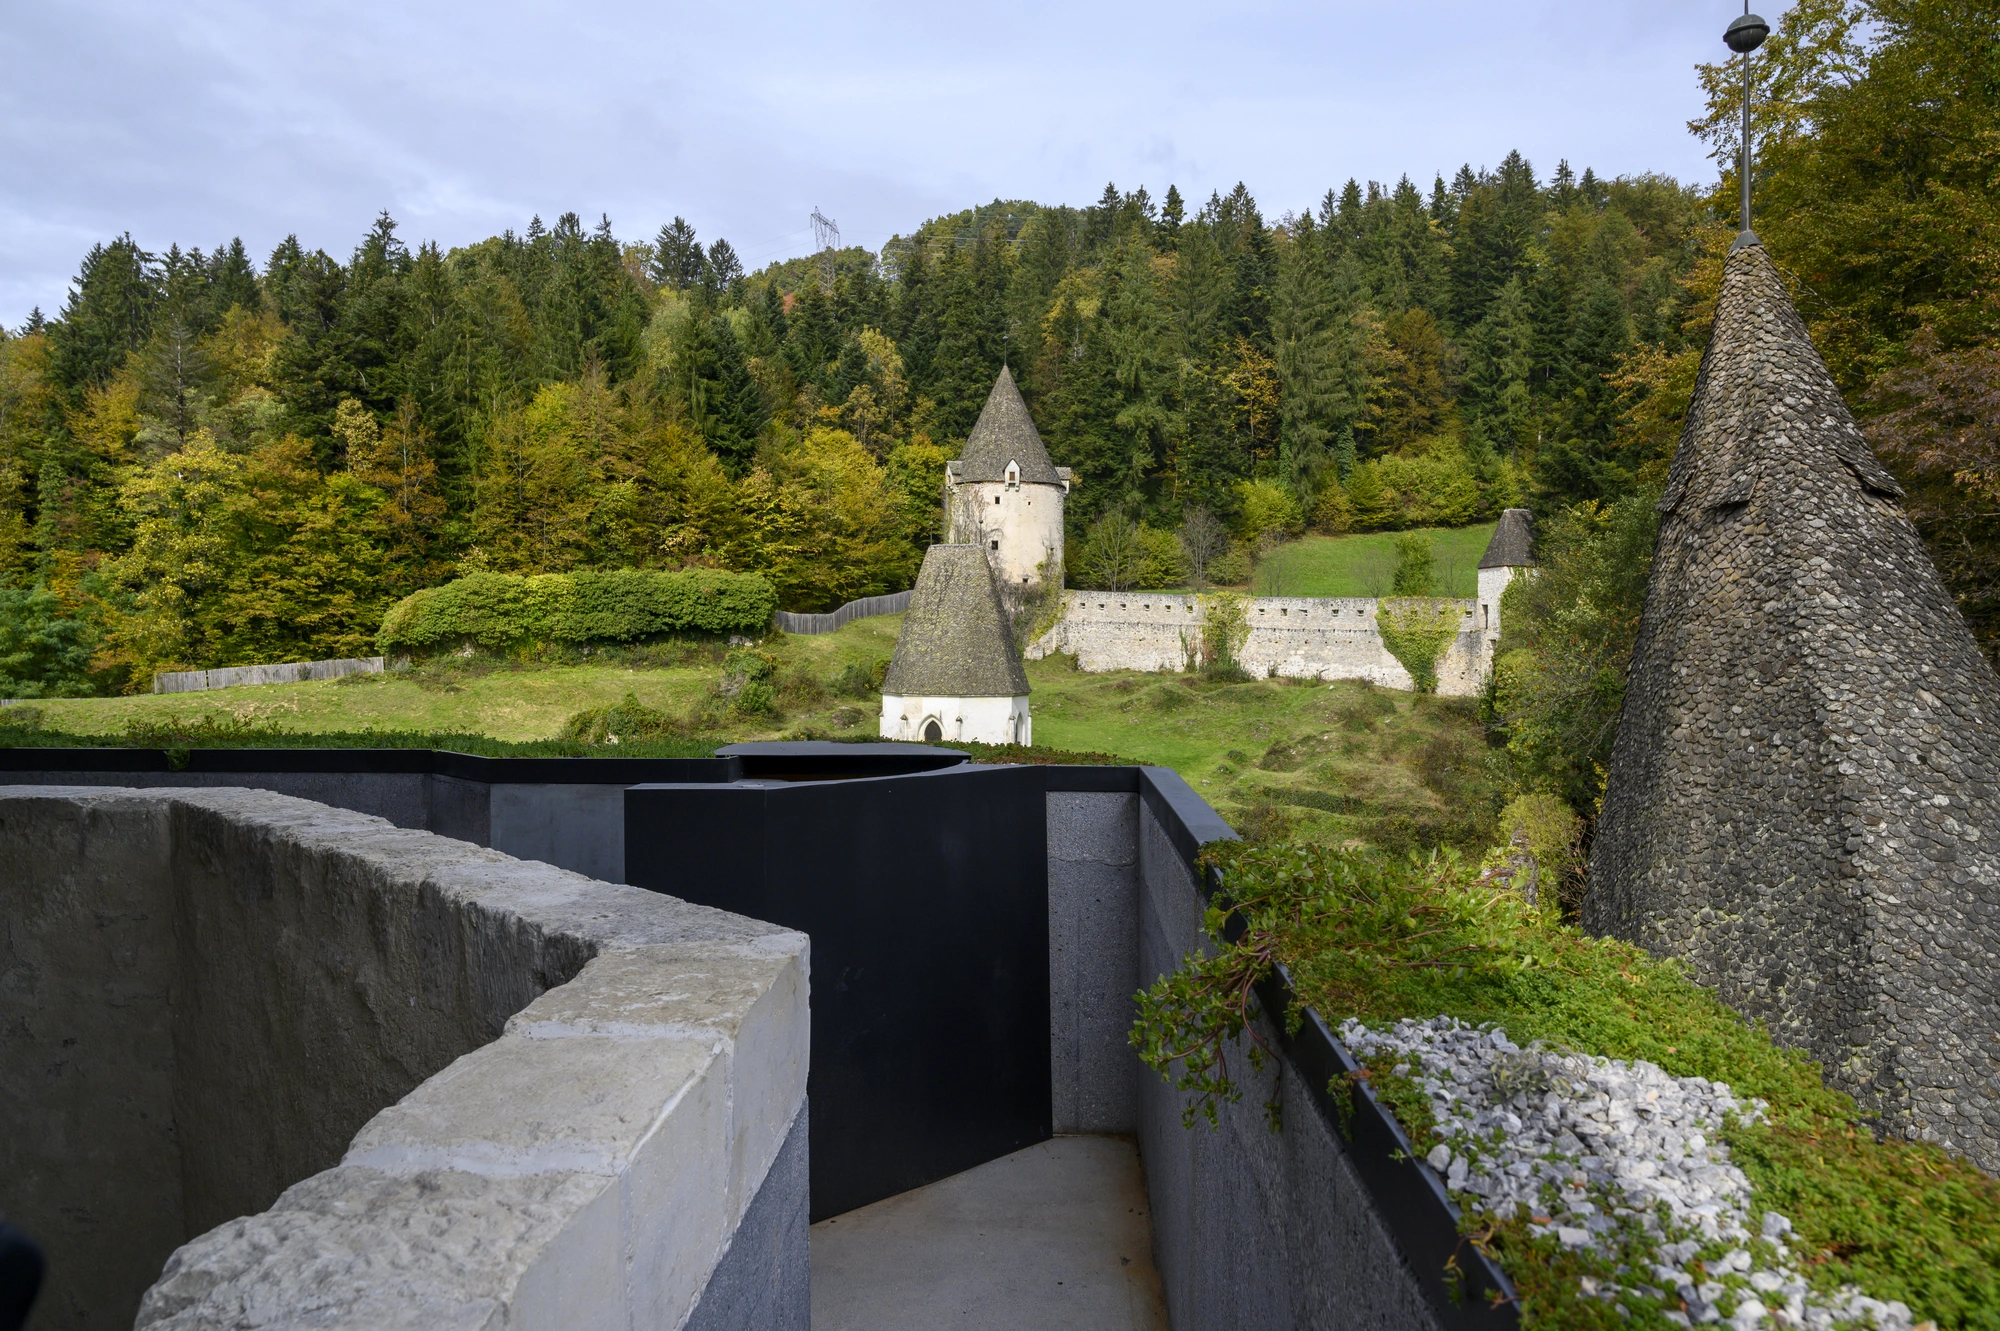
(1339, 763)
(1365, 565)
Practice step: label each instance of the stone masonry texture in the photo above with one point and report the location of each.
(1801, 800)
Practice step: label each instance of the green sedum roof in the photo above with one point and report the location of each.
(1006, 433)
(956, 640)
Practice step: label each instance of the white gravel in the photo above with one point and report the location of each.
(1598, 1149)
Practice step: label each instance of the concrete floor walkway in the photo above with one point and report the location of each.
(1055, 1237)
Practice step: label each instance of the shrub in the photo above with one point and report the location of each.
(1265, 506)
(746, 685)
(1161, 562)
(1416, 566)
(1333, 511)
(1232, 569)
(1435, 489)
(42, 653)
(1566, 641)
(622, 723)
(501, 610)
(1107, 559)
(1552, 835)
(857, 681)
(1225, 627)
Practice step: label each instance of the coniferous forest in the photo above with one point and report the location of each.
(210, 457)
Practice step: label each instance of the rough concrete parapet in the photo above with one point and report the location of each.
(314, 971)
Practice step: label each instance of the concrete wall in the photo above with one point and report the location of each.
(1093, 960)
(1251, 1228)
(89, 1162)
(572, 825)
(1291, 637)
(533, 1099)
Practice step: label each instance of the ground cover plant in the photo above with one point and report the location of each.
(1376, 940)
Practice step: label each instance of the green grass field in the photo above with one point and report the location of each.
(1366, 565)
(1338, 763)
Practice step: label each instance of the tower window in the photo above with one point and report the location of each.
(993, 544)
(996, 499)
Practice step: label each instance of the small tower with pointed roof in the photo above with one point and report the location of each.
(1006, 497)
(956, 674)
(1509, 553)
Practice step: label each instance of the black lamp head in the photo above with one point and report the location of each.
(1746, 34)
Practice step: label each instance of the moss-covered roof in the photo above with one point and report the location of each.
(1006, 433)
(956, 640)
(1513, 542)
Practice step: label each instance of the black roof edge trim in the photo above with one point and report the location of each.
(1407, 1192)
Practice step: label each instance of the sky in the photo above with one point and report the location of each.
(198, 122)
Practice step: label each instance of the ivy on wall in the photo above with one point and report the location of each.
(1417, 630)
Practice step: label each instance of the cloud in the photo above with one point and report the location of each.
(200, 121)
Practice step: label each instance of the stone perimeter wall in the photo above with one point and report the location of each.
(570, 1104)
(1291, 637)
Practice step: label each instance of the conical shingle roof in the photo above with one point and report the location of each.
(1006, 433)
(1802, 801)
(1513, 543)
(957, 641)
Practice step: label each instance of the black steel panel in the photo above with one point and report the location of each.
(926, 898)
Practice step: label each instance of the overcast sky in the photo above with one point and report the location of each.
(198, 122)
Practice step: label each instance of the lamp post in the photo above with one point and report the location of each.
(1743, 36)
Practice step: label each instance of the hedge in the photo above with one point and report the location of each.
(497, 610)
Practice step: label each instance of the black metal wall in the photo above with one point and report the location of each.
(926, 897)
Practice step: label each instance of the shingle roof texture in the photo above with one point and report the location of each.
(1005, 433)
(1801, 800)
(1513, 543)
(957, 641)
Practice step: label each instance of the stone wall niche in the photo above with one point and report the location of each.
(269, 1063)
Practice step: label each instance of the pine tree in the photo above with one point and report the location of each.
(720, 398)
(109, 315)
(677, 256)
(1172, 213)
(1499, 365)
(1601, 338)
(1304, 338)
(232, 279)
(1443, 207)
(725, 270)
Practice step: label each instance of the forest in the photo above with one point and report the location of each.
(209, 458)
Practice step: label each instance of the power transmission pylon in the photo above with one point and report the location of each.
(826, 236)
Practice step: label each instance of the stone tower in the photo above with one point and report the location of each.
(956, 674)
(1007, 498)
(1801, 802)
(1508, 554)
